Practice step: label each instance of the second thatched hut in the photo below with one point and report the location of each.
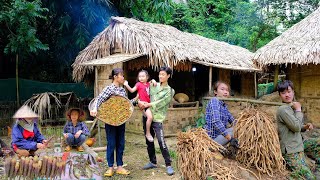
(297, 51)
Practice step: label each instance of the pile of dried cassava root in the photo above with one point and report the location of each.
(34, 167)
(199, 156)
(259, 142)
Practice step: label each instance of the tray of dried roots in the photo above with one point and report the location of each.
(115, 111)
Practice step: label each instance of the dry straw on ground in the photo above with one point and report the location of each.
(259, 142)
(199, 157)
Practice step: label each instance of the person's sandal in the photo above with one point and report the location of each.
(123, 172)
(149, 138)
(80, 148)
(68, 148)
(108, 173)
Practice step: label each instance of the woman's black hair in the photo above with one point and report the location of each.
(115, 72)
(168, 70)
(284, 85)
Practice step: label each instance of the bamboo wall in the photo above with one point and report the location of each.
(247, 84)
(102, 79)
(306, 80)
(247, 81)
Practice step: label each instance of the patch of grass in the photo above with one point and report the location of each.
(299, 174)
(173, 154)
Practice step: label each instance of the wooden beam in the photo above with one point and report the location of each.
(248, 100)
(275, 79)
(255, 86)
(96, 93)
(89, 150)
(210, 80)
(99, 149)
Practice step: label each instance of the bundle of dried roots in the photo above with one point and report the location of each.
(199, 156)
(259, 142)
(34, 167)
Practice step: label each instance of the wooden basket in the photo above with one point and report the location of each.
(115, 111)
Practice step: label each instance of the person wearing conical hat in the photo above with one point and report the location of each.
(26, 137)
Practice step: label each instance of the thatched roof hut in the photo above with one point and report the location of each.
(298, 49)
(162, 44)
(300, 44)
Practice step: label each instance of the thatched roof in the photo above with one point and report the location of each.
(163, 45)
(300, 44)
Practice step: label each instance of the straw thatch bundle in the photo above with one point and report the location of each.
(43, 103)
(300, 44)
(163, 45)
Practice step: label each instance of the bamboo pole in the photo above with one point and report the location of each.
(210, 80)
(17, 81)
(96, 94)
(275, 79)
(89, 150)
(248, 100)
(142, 134)
(255, 86)
(99, 149)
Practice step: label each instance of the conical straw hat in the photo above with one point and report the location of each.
(25, 112)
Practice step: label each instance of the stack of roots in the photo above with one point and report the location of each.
(34, 167)
(199, 156)
(259, 142)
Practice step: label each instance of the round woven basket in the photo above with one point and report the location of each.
(115, 111)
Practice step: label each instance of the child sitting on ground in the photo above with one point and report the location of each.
(26, 137)
(142, 87)
(75, 131)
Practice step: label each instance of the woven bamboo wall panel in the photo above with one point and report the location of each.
(224, 75)
(311, 110)
(247, 84)
(294, 76)
(310, 86)
(103, 75)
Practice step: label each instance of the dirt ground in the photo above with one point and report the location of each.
(135, 157)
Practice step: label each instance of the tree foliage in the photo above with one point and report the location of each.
(67, 26)
(20, 18)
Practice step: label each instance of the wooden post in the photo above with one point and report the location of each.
(255, 86)
(275, 79)
(96, 93)
(17, 80)
(210, 80)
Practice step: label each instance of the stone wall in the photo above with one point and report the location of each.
(176, 120)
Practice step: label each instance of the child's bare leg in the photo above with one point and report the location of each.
(148, 125)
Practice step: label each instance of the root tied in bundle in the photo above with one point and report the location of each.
(199, 156)
(259, 142)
